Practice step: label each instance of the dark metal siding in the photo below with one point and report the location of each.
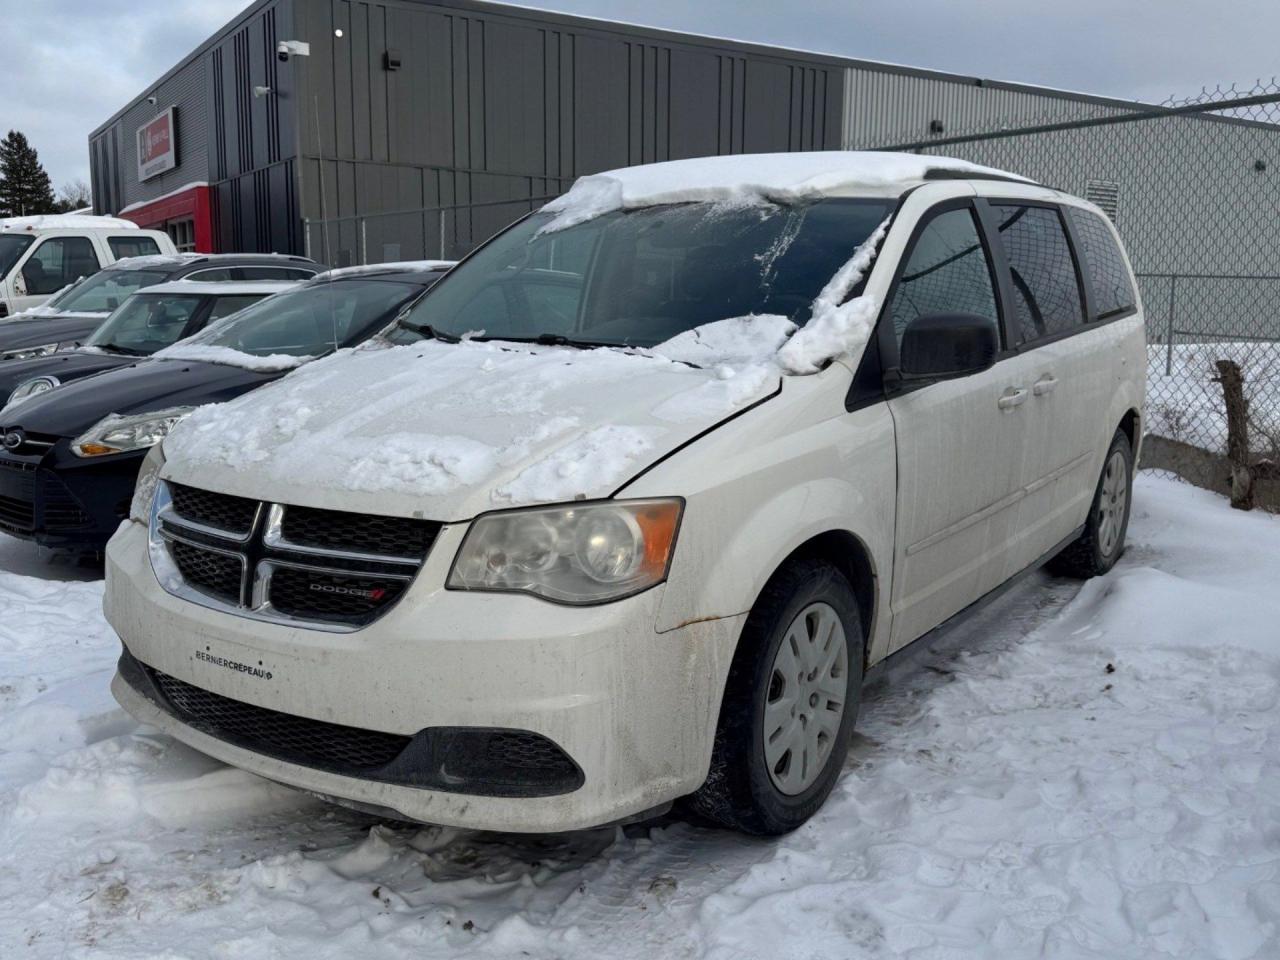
(494, 105)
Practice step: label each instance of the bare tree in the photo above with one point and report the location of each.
(74, 195)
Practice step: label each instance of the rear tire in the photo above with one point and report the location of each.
(1101, 543)
(789, 705)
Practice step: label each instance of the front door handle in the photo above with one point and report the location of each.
(1013, 397)
(1044, 385)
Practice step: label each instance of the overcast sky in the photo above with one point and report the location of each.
(70, 64)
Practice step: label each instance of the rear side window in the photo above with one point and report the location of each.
(122, 248)
(1108, 276)
(272, 273)
(1046, 290)
(947, 272)
(225, 306)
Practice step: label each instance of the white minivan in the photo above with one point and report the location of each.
(619, 513)
(41, 255)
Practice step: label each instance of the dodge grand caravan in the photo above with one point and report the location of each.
(619, 513)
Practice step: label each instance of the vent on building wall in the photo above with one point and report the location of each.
(1106, 194)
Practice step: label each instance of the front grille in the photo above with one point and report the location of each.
(17, 515)
(218, 510)
(32, 499)
(481, 761)
(217, 574)
(61, 510)
(336, 569)
(336, 598)
(354, 532)
(312, 743)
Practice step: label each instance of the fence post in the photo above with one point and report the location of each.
(364, 241)
(443, 211)
(1168, 355)
(1237, 433)
(306, 238)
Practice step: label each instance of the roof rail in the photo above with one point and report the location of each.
(945, 173)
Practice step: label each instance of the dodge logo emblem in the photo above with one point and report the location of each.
(13, 440)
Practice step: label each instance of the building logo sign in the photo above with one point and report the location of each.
(158, 145)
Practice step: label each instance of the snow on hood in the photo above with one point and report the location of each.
(230, 357)
(447, 431)
(747, 178)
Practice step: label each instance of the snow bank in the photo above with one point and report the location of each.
(747, 178)
(66, 221)
(1079, 772)
(229, 357)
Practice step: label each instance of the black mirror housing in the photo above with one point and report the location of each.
(941, 346)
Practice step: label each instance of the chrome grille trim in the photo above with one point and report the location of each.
(261, 553)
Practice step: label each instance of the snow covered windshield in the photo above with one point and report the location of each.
(105, 290)
(310, 320)
(10, 250)
(640, 277)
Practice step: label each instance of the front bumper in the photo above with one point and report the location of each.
(634, 709)
(60, 500)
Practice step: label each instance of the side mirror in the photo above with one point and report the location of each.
(941, 346)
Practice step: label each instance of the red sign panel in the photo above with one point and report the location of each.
(157, 145)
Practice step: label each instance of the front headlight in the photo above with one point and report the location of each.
(29, 388)
(115, 434)
(574, 553)
(144, 489)
(30, 353)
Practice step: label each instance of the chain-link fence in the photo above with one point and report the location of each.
(1194, 187)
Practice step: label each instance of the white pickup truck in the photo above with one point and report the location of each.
(41, 255)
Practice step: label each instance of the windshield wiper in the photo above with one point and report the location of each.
(554, 340)
(116, 348)
(427, 330)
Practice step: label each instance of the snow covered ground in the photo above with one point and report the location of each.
(1076, 773)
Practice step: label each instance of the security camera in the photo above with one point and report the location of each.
(292, 48)
(152, 100)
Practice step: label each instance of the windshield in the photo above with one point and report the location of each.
(11, 248)
(146, 323)
(311, 320)
(639, 278)
(105, 290)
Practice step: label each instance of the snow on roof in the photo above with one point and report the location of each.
(218, 288)
(65, 221)
(153, 260)
(399, 266)
(751, 177)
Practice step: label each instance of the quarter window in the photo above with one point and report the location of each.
(947, 272)
(1046, 290)
(1108, 276)
(124, 247)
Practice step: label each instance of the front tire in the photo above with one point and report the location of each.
(789, 706)
(1101, 543)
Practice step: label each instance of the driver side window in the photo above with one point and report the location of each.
(946, 272)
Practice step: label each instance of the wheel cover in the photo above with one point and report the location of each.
(805, 700)
(1113, 503)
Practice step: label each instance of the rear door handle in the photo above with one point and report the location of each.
(1013, 397)
(1044, 385)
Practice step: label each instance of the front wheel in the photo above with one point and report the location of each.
(789, 706)
(1101, 542)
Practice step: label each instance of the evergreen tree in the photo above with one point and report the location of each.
(24, 186)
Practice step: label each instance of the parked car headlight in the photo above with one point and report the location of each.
(29, 388)
(115, 434)
(43, 350)
(144, 490)
(573, 553)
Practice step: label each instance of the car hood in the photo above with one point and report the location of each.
(33, 331)
(67, 366)
(137, 388)
(447, 431)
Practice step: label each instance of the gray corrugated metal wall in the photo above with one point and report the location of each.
(494, 105)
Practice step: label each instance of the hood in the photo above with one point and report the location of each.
(137, 388)
(67, 366)
(21, 332)
(447, 431)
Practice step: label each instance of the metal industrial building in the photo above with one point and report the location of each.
(418, 127)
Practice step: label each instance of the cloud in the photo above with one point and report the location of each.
(75, 62)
